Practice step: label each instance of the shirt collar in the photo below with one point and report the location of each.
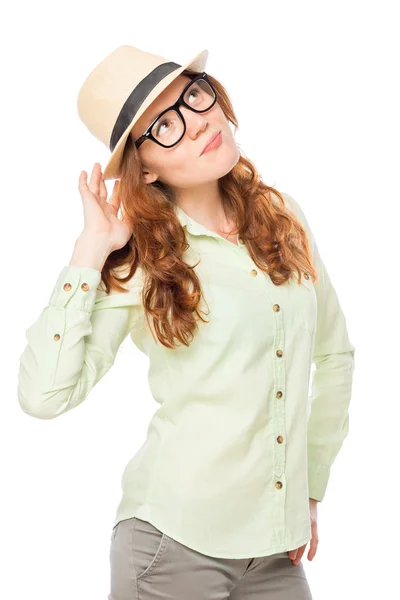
(194, 227)
(191, 225)
(182, 216)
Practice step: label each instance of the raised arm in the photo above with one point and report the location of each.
(75, 339)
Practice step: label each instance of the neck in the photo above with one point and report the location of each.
(205, 204)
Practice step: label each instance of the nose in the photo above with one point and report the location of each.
(195, 122)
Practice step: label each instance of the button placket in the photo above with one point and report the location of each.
(279, 425)
(279, 385)
(279, 360)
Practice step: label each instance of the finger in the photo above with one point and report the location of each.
(94, 182)
(300, 553)
(128, 221)
(293, 553)
(89, 200)
(103, 190)
(314, 542)
(115, 199)
(313, 549)
(83, 184)
(82, 180)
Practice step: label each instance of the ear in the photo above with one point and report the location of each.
(149, 176)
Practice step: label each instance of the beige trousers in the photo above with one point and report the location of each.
(146, 564)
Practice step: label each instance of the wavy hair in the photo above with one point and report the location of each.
(171, 293)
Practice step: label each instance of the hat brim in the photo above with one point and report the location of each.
(198, 63)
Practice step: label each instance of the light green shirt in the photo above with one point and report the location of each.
(236, 446)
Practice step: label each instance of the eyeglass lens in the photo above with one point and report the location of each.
(169, 127)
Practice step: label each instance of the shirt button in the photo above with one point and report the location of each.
(279, 439)
(306, 275)
(85, 287)
(276, 307)
(253, 272)
(57, 337)
(278, 485)
(67, 287)
(279, 394)
(279, 353)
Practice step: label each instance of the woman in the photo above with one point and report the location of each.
(218, 279)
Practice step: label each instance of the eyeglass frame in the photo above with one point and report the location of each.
(147, 135)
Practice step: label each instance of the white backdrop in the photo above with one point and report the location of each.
(315, 88)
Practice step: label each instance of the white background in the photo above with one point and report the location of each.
(315, 89)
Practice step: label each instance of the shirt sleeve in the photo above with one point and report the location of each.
(331, 386)
(74, 342)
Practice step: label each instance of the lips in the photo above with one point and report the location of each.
(209, 141)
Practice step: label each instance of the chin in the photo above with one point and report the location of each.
(226, 161)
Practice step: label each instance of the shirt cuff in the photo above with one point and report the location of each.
(76, 287)
(318, 476)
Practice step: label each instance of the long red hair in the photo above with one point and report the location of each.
(272, 234)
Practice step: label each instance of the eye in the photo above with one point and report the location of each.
(160, 125)
(194, 92)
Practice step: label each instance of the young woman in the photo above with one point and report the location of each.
(218, 279)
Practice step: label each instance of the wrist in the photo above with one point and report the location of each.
(90, 251)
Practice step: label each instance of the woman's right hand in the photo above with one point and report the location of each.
(101, 217)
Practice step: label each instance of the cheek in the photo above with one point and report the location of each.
(165, 164)
(178, 166)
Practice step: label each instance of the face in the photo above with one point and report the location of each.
(183, 165)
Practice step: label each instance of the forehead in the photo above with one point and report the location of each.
(165, 99)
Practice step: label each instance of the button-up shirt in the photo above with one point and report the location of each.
(237, 445)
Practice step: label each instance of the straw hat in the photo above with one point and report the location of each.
(119, 89)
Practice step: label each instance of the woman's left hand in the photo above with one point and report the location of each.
(295, 555)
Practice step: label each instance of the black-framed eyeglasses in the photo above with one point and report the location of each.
(169, 127)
